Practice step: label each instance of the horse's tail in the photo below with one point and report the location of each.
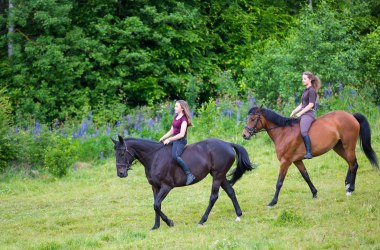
(365, 139)
(243, 163)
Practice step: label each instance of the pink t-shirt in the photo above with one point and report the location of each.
(177, 124)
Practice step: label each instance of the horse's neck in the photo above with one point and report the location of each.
(278, 134)
(144, 151)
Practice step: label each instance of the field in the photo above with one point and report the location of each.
(91, 208)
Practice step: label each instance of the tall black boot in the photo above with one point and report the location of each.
(189, 176)
(306, 140)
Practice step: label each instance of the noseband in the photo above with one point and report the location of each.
(253, 131)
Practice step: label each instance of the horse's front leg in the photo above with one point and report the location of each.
(281, 177)
(231, 193)
(301, 167)
(213, 197)
(159, 195)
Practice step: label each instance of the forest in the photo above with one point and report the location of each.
(62, 59)
(75, 73)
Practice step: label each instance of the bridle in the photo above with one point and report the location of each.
(127, 165)
(253, 130)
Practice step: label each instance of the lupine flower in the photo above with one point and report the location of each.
(151, 123)
(340, 90)
(329, 91)
(108, 129)
(75, 167)
(238, 111)
(37, 128)
(125, 133)
(353, 93)
(379, 108)
(137, 127)
(101, 155)
(350, 107)
(296, 100)
(16, 129)
(216, 102)
(128, 119)
(170, 109)
(117, 123)
(325, 93)
(158, 118)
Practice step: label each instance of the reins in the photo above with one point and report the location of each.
(253, 130)
(128, 165)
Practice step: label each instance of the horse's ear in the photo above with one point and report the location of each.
(121, 140)
(114, 142)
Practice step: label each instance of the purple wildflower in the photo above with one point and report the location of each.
(151, 123)
(340, 90)
(101, 155)
(379, 108)
(108, 129)
(16, 129)
(117, 123)
(329, 91)
(325, 93)
(125, 133)
(37, 128)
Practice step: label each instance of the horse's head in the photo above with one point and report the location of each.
(124, 157)
(254, 123)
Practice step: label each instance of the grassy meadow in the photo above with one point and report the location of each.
(91, 208)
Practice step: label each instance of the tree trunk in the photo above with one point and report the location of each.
(10, 29)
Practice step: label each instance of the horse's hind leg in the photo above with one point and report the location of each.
(231, 193)
(348, 154)
(301, 167)
(213, 197)
(159, 195)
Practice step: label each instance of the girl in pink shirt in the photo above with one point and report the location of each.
(177, 136)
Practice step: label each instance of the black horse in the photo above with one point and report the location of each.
(208, 156)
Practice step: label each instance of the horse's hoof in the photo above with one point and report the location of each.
(347, 187)
(269, 206)
(315, 196)
(154, 228)
(349, 193)
(200, 225)
(171, 223)
(238, 219)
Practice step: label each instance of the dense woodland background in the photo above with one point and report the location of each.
(75, 73)
(62, 59)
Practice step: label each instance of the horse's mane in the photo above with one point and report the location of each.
(274, 117)
(142, 140)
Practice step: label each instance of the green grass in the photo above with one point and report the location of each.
(92, 208)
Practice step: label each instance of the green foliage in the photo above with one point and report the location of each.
(59, 156)
(324, 42)
(6, 150)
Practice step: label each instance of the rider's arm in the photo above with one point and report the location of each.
(299, 107)
(169, 133)
(306, 109)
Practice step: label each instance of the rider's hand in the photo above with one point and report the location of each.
(167, 141)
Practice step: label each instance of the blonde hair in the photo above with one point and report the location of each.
(186, 111)
(315, 81)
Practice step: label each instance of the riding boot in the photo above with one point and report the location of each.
(306, 140)
(189, 176)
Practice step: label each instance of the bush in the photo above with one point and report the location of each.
(59, 156)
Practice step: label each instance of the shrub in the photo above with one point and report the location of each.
(59, 156)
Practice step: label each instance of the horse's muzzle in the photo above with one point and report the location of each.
(122, 174)
(246, 137)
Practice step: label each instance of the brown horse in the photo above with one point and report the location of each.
(336, 130)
